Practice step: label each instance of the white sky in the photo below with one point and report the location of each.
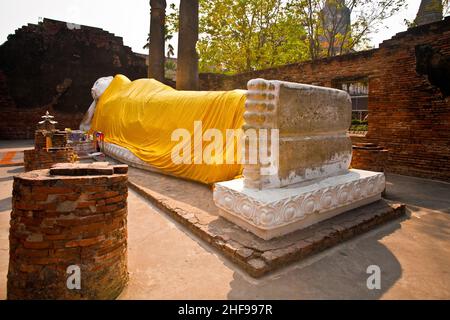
(128, 19)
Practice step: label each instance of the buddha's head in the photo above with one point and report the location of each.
(96, 91)
(100, 86)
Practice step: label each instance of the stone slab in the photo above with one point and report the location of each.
(191, 204)
(85, 169)
(270, 213)
(312, 139)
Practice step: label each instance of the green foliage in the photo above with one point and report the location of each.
(359, 122)
(170, 27)
(329, 32)
(245, 35)
(171, 21)
(364, 127)
(170, 65)
(359, 125)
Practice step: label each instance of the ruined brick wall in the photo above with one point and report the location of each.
(6, 101)
(407, 115)
(322, 72)
(53, 65)
(18, 123)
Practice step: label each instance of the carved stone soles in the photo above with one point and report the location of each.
(271, 213)
(310, 123)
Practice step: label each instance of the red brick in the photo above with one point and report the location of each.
(37, 245)
(84, 242)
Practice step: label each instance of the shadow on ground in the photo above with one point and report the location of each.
(3, 179)
(10, 173)
(5, 204)
(337, 273)
(16, 170)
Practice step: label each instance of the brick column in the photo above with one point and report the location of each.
(69, 215)
(369, 156)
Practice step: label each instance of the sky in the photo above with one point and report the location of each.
(130, 19)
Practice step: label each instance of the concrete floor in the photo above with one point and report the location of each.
(14, 145)
(167, 262)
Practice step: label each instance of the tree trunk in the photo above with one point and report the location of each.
(187, 64)
(157, 43)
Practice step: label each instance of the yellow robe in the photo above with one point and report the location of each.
(141, 115)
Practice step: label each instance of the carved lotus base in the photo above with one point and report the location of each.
(270, 213)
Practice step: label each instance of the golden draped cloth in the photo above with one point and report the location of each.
(141, 115)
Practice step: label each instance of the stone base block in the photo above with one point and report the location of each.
(271, 213)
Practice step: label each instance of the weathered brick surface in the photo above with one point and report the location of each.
(43, 159)
(407, 115)
(59, 139)
(369, 156)
(18, 123)
(58, 221)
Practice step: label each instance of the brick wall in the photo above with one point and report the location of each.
(53, 65)
(407, 115)
(21, 124)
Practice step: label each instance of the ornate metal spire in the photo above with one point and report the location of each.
(47, 124)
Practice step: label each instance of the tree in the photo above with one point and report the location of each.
(170, 51)
(170, 27)
(244, 35)
(329, 33)
(187, 65)
(157, 39)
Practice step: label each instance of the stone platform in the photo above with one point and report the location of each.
(192, 205)
(270, 213)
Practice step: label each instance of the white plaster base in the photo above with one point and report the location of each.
(270, 213)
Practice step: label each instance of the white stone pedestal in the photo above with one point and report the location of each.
(270, 213)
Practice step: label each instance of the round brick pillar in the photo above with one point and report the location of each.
(369, 156)
(68, 233)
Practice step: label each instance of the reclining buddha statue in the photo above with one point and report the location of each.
(301, 174)
(140, 120)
